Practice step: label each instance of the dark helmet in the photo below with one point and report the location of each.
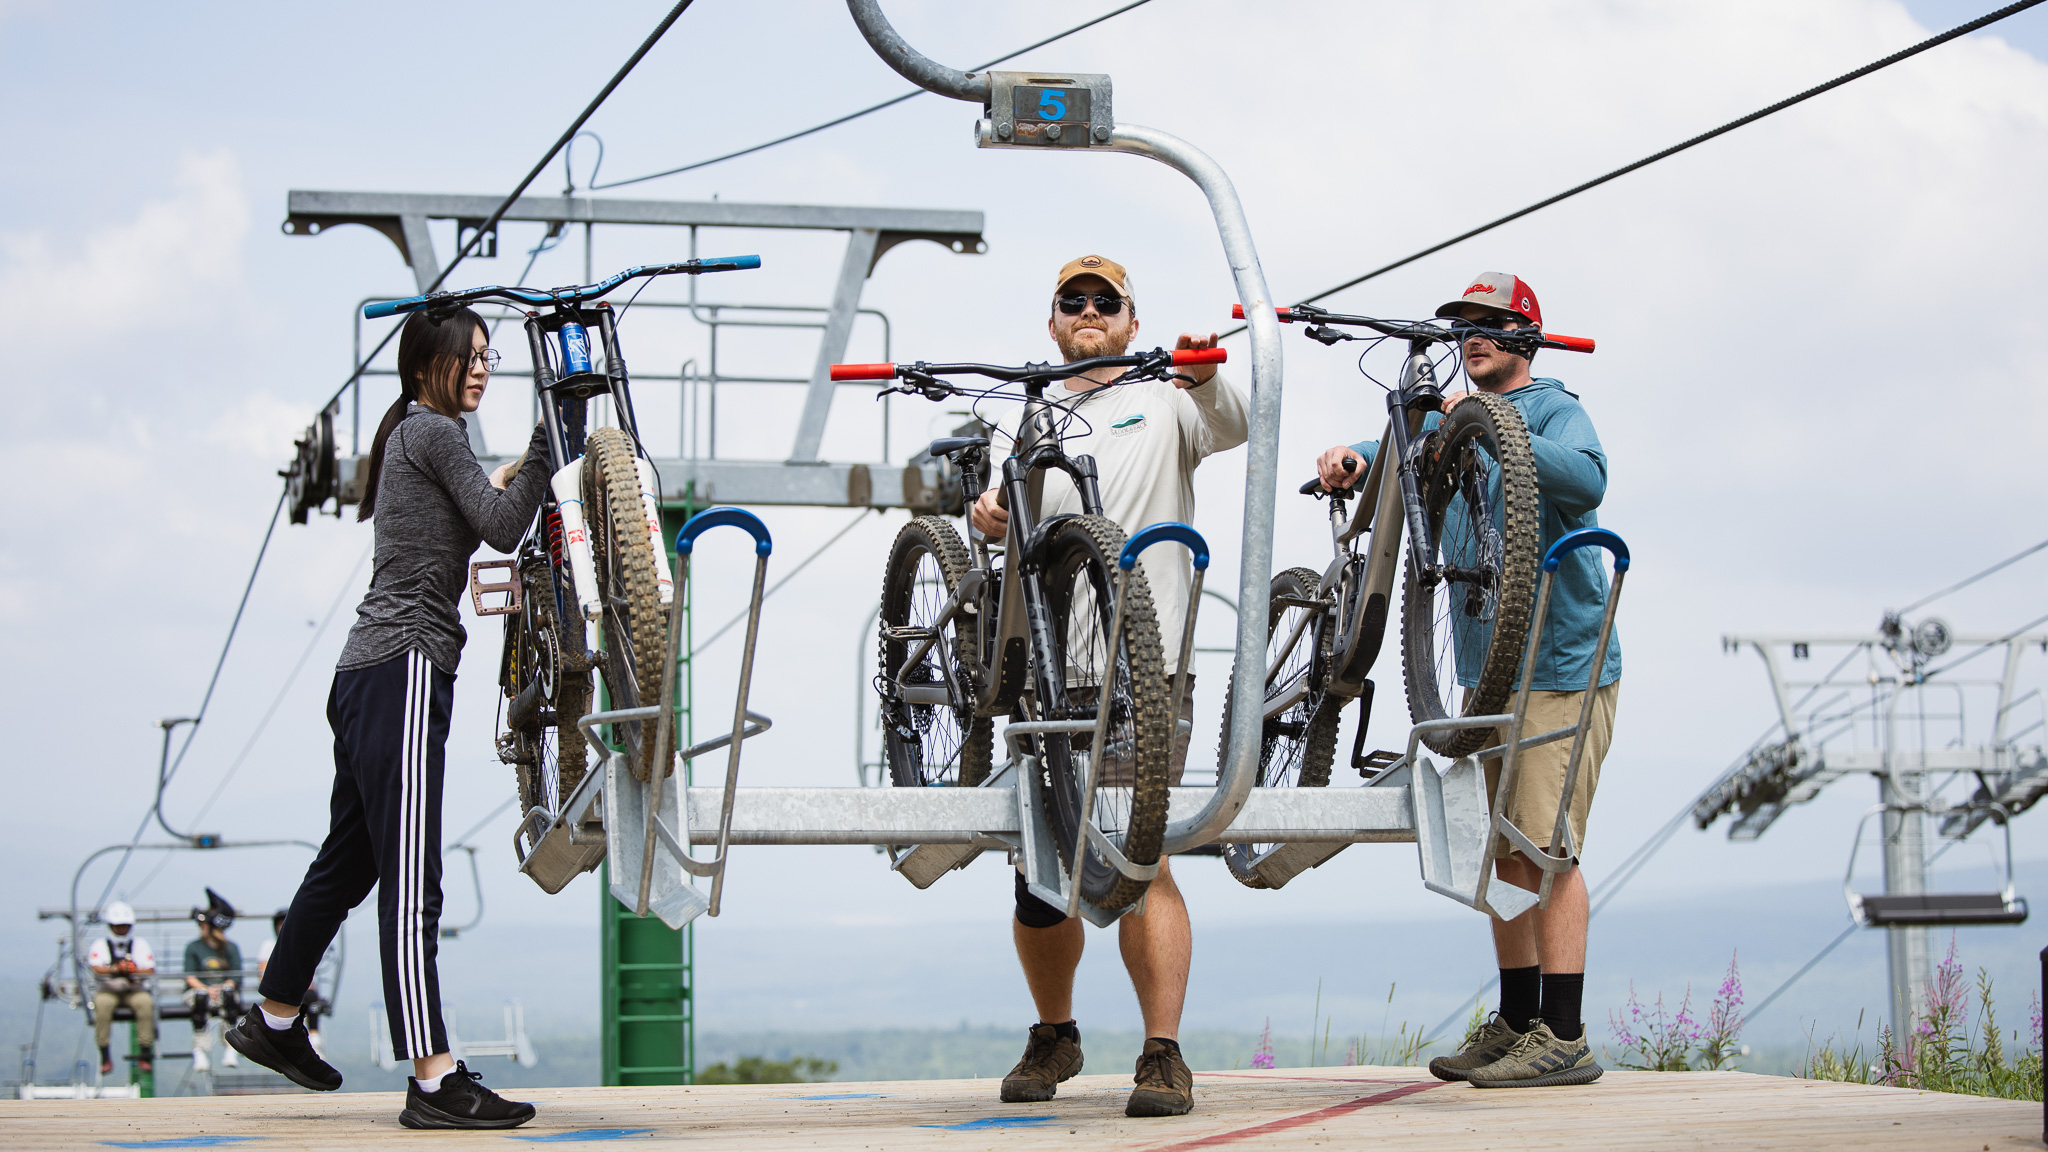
(218, 912)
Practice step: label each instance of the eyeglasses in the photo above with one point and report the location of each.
(1105, 303)
(489, 356)
(1489, 323)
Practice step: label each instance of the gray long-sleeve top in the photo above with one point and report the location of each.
(434, 506)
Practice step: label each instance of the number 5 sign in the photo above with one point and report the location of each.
(1032, 109)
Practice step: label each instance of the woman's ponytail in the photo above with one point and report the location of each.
(433, 357)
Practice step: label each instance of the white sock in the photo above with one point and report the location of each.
(281, 1023)
(430, 1084)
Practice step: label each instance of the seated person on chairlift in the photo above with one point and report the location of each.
(123, 963)
(212, 996)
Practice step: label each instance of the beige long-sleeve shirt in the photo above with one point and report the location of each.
(1147, 439)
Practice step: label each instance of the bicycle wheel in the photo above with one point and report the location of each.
(1125, 674)
(547, 697)
(927, 743)
(633, 631)
(1463, 622)
(1298, 740)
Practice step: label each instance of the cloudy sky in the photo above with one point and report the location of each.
(1816, 381)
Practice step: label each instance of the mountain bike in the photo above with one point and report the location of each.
(1461, 490)
(594, 557)
(1041, 637)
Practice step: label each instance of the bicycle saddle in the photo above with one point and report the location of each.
(947, 445)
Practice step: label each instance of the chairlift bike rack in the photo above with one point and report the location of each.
(1444, 810)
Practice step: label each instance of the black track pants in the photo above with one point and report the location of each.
(390, 724)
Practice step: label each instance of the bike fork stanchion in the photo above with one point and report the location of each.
(1562, 853)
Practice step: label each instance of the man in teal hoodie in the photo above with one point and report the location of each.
(1537, 1037)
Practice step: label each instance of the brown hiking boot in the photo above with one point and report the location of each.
(1048, 1059)
(1165, 1086)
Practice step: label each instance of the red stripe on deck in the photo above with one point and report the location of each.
(1320, 1114)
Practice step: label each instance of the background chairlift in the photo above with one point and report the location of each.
(1933, 909)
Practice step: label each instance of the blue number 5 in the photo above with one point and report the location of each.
(1052, 103)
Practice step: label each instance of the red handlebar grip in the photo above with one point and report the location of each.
(1200, 356)
(1286, 317)
(863, 371)
(1568, 343)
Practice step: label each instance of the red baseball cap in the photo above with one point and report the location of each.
(1498, 290)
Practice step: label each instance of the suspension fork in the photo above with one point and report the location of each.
(1408, 406)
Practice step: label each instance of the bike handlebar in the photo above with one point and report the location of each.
(536, 297)
(1410, 330)
(1178, 357)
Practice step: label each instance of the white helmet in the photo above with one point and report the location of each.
(117, 912)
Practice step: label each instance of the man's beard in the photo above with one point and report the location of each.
(1073, 350)
(1500, 370)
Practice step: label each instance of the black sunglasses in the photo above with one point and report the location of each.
(1490, 324)
(1105, 303)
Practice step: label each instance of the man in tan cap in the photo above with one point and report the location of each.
(1146, 438)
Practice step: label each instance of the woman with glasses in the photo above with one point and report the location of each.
(389, 708)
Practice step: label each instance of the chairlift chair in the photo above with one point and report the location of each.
(1933, 909)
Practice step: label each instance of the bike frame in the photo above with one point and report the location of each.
(1022, 621)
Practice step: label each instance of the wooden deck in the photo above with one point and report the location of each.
(1386, 1109)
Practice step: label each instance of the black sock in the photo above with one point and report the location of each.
(1172, 1045)
(1519, 988)
(1562, 994)
(105, 1055)
(1070, 1030)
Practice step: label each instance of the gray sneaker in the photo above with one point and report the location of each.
(1540, 1060)
(1483, 1045)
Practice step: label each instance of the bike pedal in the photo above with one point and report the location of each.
(478, 589)
(1376, 762)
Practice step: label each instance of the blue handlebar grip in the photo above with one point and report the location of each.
(724, 514)
(1165, 530)
(1587, 538)
(737, 262)
(383, 308)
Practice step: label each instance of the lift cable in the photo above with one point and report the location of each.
(889, 103)
(499, 213)
(164, 775)
(1969, 580)
(242, 757)
(1810, 93)
(1823, 953)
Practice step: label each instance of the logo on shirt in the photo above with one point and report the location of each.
(1128, 425)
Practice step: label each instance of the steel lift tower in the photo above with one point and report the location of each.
(1942, 746)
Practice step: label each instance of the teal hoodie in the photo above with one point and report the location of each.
(1571, 480)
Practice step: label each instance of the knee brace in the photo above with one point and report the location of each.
(1033, 912)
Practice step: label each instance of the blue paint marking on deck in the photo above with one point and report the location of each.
(988, 1122)
(842, 1096)
(181, 1142)
(581, 1135)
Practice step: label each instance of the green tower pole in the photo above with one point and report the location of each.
(647, 1005)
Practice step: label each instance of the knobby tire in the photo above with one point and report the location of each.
(1478, 480)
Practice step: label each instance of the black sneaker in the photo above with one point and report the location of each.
(286, 1051)
(462, 1102)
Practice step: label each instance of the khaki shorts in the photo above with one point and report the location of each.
(1118, 772)
(1539, 771)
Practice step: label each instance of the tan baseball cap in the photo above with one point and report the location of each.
(1101, 266)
